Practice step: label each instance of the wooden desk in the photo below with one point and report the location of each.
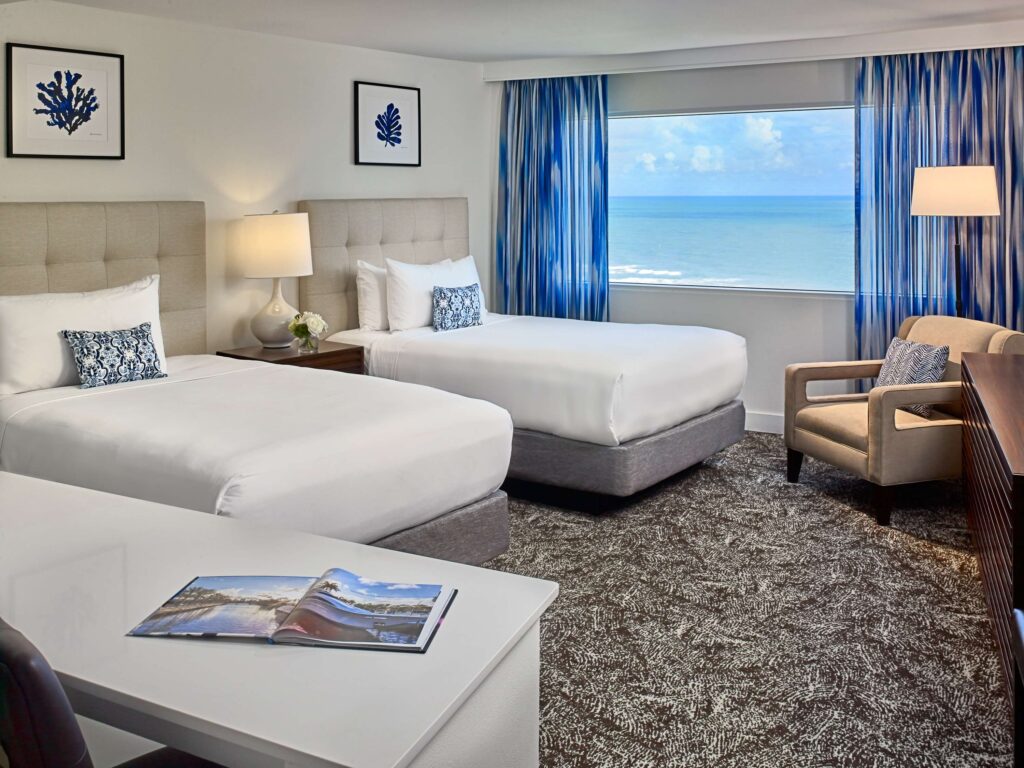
(79, 568)
(993, 437)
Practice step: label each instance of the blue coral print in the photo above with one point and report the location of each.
(114, 357)
(67, 105)
(389, 126)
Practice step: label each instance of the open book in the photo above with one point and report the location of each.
(339, 609)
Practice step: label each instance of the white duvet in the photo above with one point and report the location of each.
(334, 454)
(603, 383)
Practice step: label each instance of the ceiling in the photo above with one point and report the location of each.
(496, 30)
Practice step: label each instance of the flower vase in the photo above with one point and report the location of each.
(308, 345)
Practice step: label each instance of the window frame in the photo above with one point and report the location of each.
(745, 110)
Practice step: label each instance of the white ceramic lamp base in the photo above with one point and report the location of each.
(270, 324)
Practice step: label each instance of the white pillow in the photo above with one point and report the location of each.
(33, 354)
(372, 294)
(411, 289)
(463, 272)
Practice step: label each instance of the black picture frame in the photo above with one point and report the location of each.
(9, 122)
(360, 154)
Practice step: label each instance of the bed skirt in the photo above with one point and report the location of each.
(622, 470)
(472, 534)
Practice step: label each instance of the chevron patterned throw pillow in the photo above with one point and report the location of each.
(908, 362)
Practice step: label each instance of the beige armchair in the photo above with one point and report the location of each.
(868, 434)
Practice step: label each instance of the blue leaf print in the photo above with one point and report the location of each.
(389, 126)
(67, 106)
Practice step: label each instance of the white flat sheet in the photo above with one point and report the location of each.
(603, 383)
(346, 456)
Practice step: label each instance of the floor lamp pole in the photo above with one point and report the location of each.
(958, 270)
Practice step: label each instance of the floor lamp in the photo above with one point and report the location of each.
(959, 191)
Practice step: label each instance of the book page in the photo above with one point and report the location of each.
(227, 606)
(347, 609)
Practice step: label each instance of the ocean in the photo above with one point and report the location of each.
(751, 242)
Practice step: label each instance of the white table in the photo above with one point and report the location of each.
(79, 568)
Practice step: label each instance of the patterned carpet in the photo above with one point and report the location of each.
(727, 618)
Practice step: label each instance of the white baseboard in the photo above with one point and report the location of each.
(758, 421)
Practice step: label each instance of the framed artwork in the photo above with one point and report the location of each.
(387, 124)
(64, 103)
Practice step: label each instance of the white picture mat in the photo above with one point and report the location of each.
(373, 100)
(29, 131)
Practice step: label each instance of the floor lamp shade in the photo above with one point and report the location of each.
(957, 191)
(276, 245)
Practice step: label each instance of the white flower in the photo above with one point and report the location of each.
(314, 323)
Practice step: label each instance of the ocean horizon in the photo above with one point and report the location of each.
(757, 241)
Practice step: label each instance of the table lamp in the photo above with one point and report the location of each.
(958, 191)
(277, 246)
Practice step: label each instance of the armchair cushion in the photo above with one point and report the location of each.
(847, 423)
(909, 362)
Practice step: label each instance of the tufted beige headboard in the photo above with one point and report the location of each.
(414, 230)
(59, 247)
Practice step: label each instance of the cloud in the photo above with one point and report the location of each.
(403, 586)
(647, 160)
(707, 159)
(763, 136)
(368, 582)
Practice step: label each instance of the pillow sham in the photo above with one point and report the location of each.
(456, 307)
(372, 295)
(114, 357)
(34, 355)
(410, 293)
(463, 272)
(910, 362)
(411, 289)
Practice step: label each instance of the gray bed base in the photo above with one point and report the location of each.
(472, 534)
(622, 470)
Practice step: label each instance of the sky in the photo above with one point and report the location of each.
(361, 588)
(800, 152)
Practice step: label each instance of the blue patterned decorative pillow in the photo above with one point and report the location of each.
(908, 362)
(114, 357)
(456, 307)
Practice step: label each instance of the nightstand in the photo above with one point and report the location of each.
(347, 358)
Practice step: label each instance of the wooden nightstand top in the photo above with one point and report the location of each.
(331, 355)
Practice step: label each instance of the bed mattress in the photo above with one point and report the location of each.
(601, 383)
(334, 454)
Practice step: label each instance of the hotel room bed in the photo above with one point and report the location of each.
(605, 407)
(599, 383)
(352, 457)
(333, 454)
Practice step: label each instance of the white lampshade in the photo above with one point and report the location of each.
(277, 245)
(955, 190)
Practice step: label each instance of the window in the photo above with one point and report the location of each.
(751, 200)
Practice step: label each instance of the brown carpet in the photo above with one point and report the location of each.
(728, 618)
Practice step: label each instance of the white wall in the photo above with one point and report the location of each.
(780, 327)
(251, 123)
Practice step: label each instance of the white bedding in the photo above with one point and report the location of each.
(603, 383)
(334, 454)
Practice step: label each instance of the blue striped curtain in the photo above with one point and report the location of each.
(948, 108)
(552, 229)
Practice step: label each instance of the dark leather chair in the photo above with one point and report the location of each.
(37, 725)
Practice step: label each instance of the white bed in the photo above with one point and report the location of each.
(600, 383)
(603, 407)
(354, 457)
(338, 455)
